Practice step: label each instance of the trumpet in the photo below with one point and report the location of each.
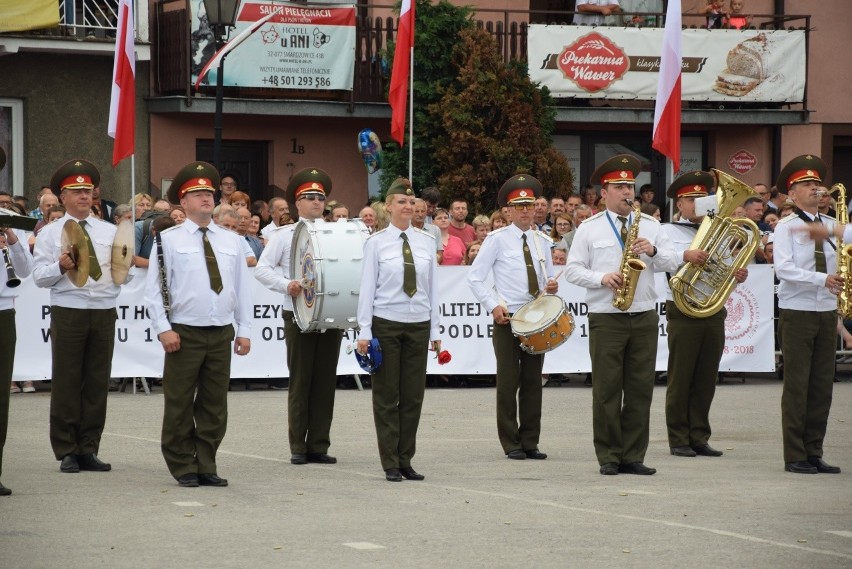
(12, 279)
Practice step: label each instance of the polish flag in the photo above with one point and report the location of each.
(398, 93)
(122, 105)
(667, 110)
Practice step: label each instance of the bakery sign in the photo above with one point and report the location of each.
(624, 63)
(742, 161)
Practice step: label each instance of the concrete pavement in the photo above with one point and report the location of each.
(475, 508)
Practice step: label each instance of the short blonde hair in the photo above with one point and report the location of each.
(481, 220)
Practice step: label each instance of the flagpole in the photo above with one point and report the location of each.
(133, 187)
(411, 116)
(669, 180)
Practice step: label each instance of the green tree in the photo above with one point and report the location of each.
(436, 34)
(495, 123)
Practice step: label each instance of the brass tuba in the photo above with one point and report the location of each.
(631, 266)
(700, 291)
(844, 254)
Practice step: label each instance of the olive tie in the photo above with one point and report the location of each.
(94, 266)
(532, 279)
(212, 265)
(819, 252)
(623, 221)
(409, 277)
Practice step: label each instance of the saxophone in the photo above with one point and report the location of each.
(844, 254)
(631, 266)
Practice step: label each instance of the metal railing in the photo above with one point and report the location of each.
(93, 19)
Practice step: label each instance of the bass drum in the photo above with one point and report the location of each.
(326, 258)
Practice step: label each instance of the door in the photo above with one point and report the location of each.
(245, 161)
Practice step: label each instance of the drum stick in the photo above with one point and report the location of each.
(556, 278)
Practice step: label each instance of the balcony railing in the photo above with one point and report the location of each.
(373, 34)
(92, 19)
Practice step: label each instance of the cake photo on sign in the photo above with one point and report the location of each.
(750, 63)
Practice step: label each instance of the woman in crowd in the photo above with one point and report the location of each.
(399, 307)
(481, 226)
(651, 209)
(453, 246)
(178, 214)
(254, 225)
(590, 198)
(382, 216)
(497, 220)
(239, 199)
(142, 203)
(472, 252)
(561, 225)
(771, 218)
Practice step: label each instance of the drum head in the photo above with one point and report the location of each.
(537, 313)
(305, 256)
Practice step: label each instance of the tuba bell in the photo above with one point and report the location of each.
(700, 291)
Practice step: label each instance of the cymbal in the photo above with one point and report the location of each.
(9, 218)
(74, 241)
(123, 248)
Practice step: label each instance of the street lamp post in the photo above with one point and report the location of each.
(221, 15)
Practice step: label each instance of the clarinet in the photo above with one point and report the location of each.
(164, 285)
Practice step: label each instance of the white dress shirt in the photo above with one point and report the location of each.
(591, 18)
(382, 274)
(193, 302)
(800, 286)
(597, 251)
(273, 267)
(22, 263)
(681, 234)
(269, 228)
(503, 253)
(96, 294)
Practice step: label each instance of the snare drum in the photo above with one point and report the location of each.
(326, 258)
(542, 324)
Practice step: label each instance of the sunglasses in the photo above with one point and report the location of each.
(523, 206)
(313, 198)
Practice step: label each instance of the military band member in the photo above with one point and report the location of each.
(622, 345)
(695, 344)
(17, 254)
(311, 356)
(807, 298)
(519, 257)
(82, 321)
(398, 305)
(208, 289)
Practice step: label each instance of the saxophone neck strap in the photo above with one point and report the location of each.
(616, 231)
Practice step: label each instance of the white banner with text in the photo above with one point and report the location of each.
(466, 332)
(623, 63)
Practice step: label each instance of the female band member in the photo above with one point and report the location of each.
(398, 306)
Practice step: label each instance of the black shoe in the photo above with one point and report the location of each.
(93, 463)
(516, 454)
(800, 467)
(822, 466)
(410, 474)
(683, 451)
(393, 475)
(609, 469)
(321, 458)
(211, 480)
(636, 468)
(298, 458)
(5, 491)
(706, 450)
(188, 480)
(535, 454)
(69, 464)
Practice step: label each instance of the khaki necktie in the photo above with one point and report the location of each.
(532, 279)
(409, 277)
(212, 265)
(819, 252)
(94, 266)
(623, 221)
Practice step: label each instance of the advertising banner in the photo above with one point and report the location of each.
(465, 330)
(302, 47)
(623, 63)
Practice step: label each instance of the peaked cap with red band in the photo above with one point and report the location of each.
(194, 177)
(519, 189)
(801, 169)
(308, 181)
(75, 175)
(693, 184)
(620, 169)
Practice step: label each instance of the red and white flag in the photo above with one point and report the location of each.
(122, 105)
(667, 110)
(398, 93)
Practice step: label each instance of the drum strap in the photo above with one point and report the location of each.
(540, 258)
